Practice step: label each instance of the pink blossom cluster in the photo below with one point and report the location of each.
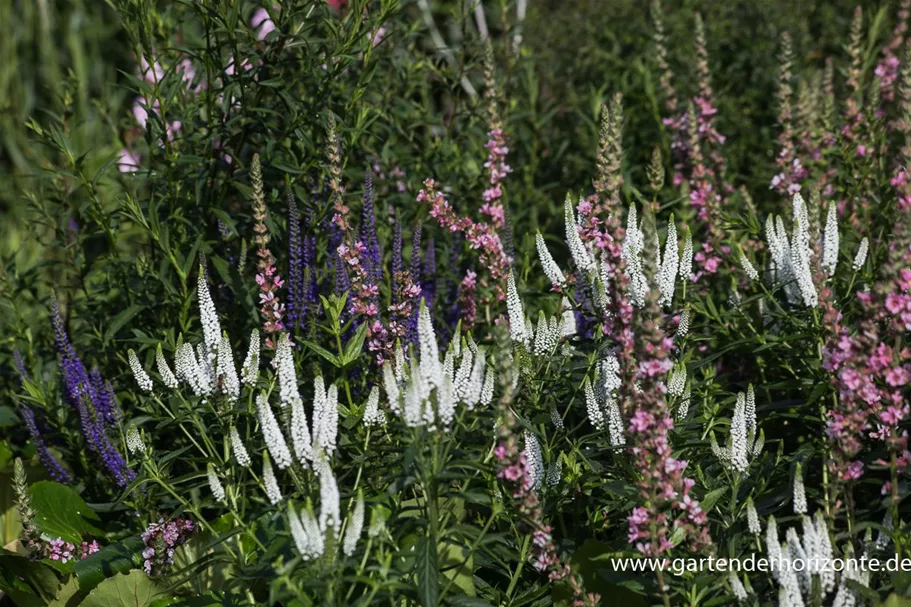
(63, 551)
(364, 297)
(161, 540)
(497, 169)
(397, 175)
(515, 471)
(364, 292)
(887, 70)
(262, 23)
(605, 234)
(708, 260)
(870, 371)
(267, 277)
(664, 491)
(696, 149)
(481, 236)
(468, 303)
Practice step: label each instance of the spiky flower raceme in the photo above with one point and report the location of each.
(861, 257)
(50, 463)
(325, 416)
(746, 440)
(134, 442)
(250, 370)
(272, 434)
(535, 459)
(308, 538)
(373, 415)
(748, 268)
(226, 371)
(208, 316)
(551, 269)
(167, 377)
(93, 400)
(218, 490)
(238, 448)
(577, 249)
(142, 378)
(667, 276)
(267, 277)
(516, 312)
(187, 369)
(830, 241)
(800, 494)
(355, 526)
(753, 518)
(270, 483)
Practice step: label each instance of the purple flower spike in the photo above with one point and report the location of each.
(373, 258)
(50, 463)
(93, 399)
(428, 276)
(297, 304)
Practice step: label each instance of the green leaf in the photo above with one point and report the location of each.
(134, 589)
(6, 454)
(895, 600)
(708, 502)
(120, 320)
(355, 345)
(25, 581)
(8, 417)
(428, 574)
(332, 358)
(69, 594)
(108, 562)
(61, 512)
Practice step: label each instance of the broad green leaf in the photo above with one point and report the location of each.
(329, 356)
(708, 502)
(116, 323)
(61, 512)
(69, 594)
(355, 345)
(134, 589)
(428, 574)
(25, 581)
(8, 417)
(109, 561)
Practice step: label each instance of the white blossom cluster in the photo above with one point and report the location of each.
(142, 378)
(792, 263)
(325, 416)
(208, 368)
(354, 527)
(601, 400)
(238, 448)
(543, 338)
(218, 490)
(551, 269)
(802, 564)
(746, 440)
(134, 442)
(312, 532)
(373, 415)
(799, 491)
(861, 256)
(270, 483)
(424, 391)
(534, 459)
(272, 433)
